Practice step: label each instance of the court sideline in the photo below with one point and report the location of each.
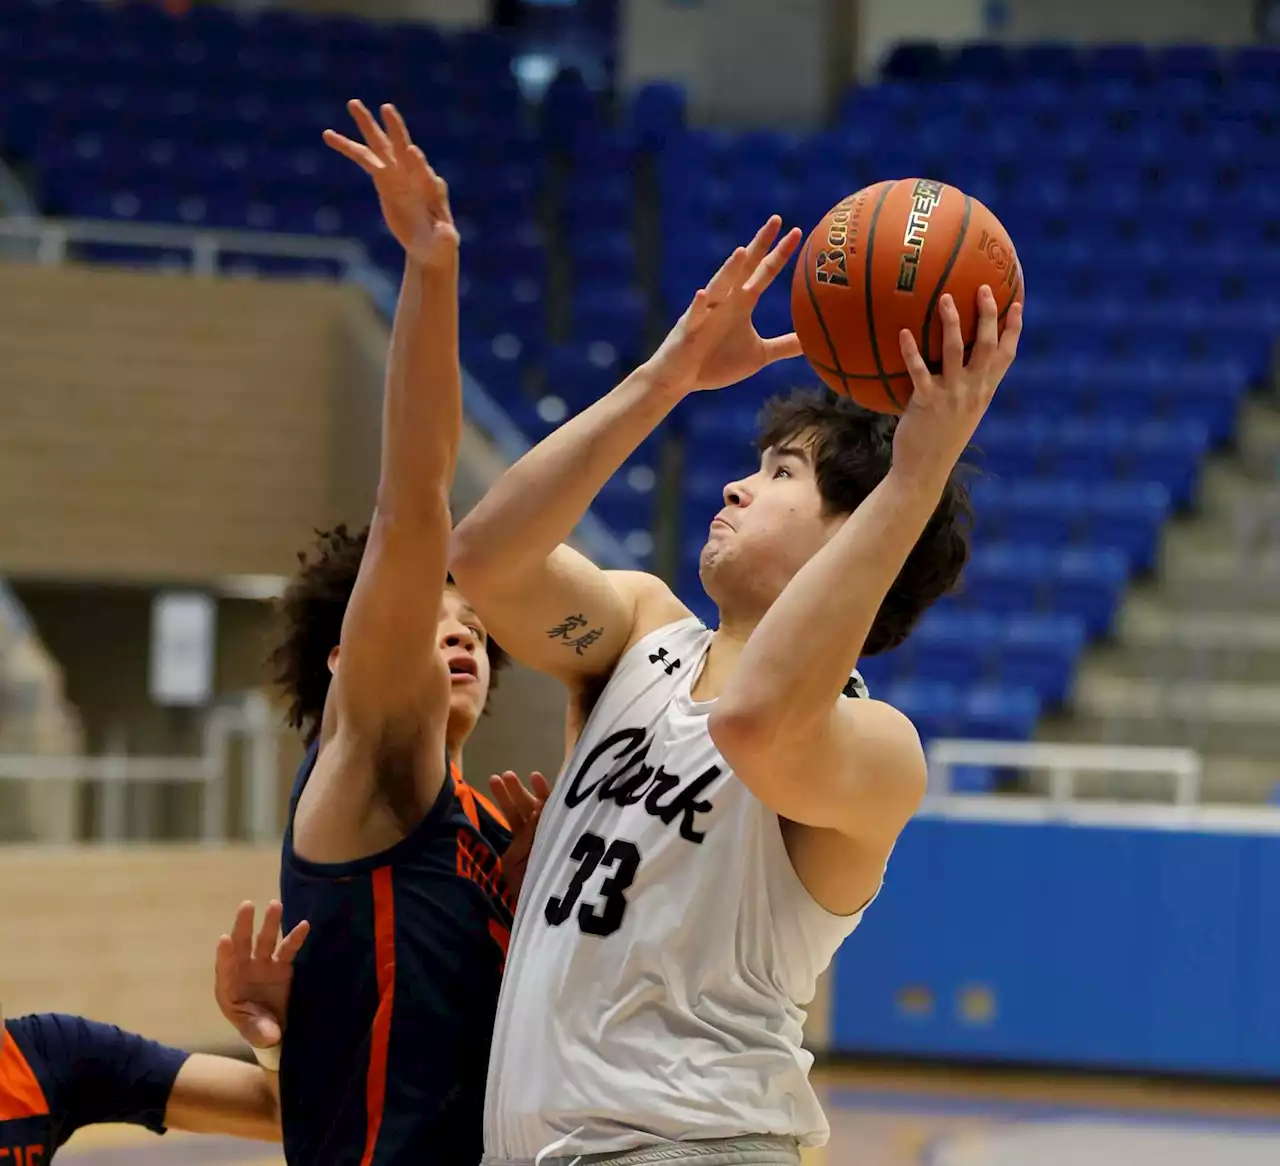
(923, 1117)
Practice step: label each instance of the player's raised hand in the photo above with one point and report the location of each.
(415, 199)
(715, 343)
(945, 409)
(253, 974)
(522, 807)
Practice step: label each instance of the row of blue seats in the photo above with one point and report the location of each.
(1001, 578)
(1127, 516)
(90, 22)
(1014, 577)
(983, 712)
(966, 648)
(1052, 103)
(1166, 452)
(1000, 63)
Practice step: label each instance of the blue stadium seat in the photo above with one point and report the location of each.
(604, 257)
(1007, 577)
(581, 374)
(934, 709)
(1041, 652)
(605, 312)
(999, 713)
(657, 113)
(952, 647)
(1088, 583)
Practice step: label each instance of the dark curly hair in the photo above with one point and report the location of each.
(852, 450)
(311, 612)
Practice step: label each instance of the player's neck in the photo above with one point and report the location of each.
(722, 658)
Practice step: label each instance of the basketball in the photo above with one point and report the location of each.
(879, 262)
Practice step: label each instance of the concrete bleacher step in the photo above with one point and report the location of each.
(1158, 637)
(1219, 717)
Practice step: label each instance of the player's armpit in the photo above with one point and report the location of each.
(567, 617)
(860, 772)
(219, 1095)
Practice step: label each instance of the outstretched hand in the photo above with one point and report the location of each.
(252, 975)
(715, 343)
(944, 411)
(522, 807)
(414, 198)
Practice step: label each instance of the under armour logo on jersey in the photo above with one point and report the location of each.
(660, 657)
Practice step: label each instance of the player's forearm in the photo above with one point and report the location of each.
(535, 505)
(422, 403)
(799, 657)
(220, 1095)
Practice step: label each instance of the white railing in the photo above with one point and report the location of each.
(1064, 763)
(252, 721)
(47, 241)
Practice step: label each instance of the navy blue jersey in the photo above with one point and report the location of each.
(394, 992)
(59, 1073)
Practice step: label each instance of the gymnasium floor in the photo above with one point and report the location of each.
(924, 1117)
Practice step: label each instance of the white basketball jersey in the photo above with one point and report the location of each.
(664, 949)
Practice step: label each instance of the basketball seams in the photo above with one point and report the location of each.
(868, 265)
(817, 315)
(926, 329)
(857, 376)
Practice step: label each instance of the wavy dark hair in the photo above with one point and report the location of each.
(852, 450)
(311, 613)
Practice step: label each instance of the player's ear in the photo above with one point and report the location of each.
(333, 661)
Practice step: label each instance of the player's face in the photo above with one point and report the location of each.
(462, 639)
(771, 524)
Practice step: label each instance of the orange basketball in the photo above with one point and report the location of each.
(879, 262)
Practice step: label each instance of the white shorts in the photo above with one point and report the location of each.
(750, 1151)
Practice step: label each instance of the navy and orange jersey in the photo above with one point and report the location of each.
(394, 992)
(59, 1073)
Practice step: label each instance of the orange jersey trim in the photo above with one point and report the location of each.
(20, 1092)
(384, 930)
(472, 798)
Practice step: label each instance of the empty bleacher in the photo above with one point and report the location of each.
(1139, 186)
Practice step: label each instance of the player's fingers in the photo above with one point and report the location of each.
(540, 785)
(952, 340)
(373, 134)
(362, 156)
(759, 246)
(921, 377)
(1008, 348)
(506, 787)
(728, 277)
(397, 131)
(987, 338)
(773, 264)
(291, 943)
(697, 310)
(242, 929)
(223, 953)
(437, 189)
(782, 348)
(265, 941)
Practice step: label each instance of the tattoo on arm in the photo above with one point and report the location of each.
(565, 631)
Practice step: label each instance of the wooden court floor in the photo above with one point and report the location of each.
(923, 1117)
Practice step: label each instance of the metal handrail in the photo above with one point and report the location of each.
(1064, 762)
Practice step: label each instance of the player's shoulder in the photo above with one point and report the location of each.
(655, 604)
